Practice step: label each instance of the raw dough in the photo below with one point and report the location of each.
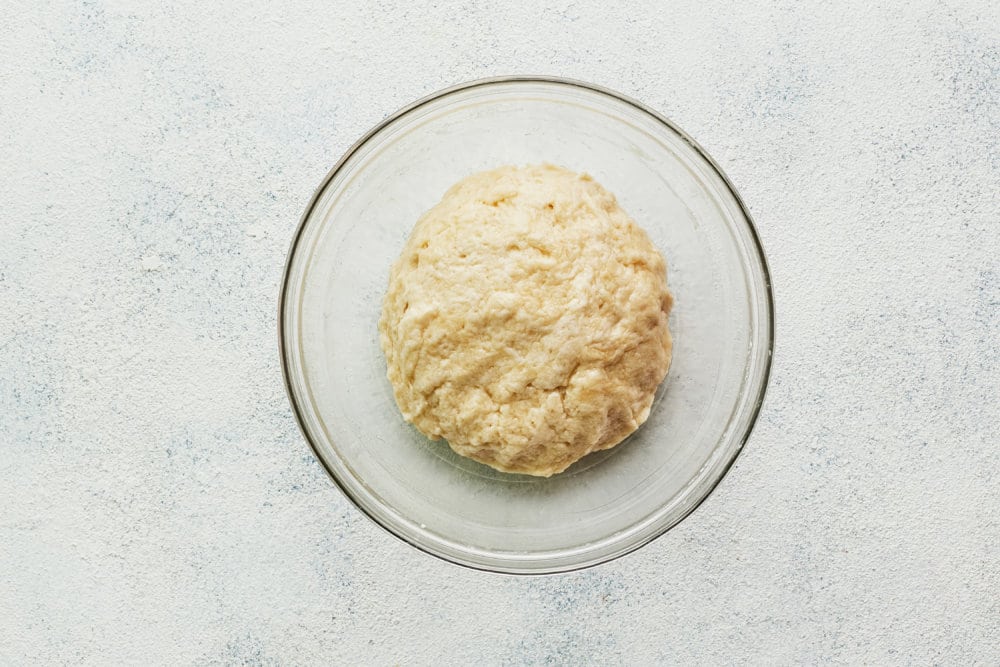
(526, 320)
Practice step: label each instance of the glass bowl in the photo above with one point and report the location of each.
(610, 502)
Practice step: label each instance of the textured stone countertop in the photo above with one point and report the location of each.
(157, 502)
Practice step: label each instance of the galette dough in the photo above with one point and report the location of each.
(526, 320)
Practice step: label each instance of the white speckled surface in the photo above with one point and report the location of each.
(157, 503)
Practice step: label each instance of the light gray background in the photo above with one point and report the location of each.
(157, 503)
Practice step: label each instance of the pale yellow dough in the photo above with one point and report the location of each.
(526, 320)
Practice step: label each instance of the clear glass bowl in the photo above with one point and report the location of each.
(610, 502)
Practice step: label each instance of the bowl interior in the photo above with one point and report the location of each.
(609, 502)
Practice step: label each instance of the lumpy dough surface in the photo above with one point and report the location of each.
(526, 320)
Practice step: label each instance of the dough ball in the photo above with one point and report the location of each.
(526, 320)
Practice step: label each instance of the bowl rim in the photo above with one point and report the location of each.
(757, 248)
